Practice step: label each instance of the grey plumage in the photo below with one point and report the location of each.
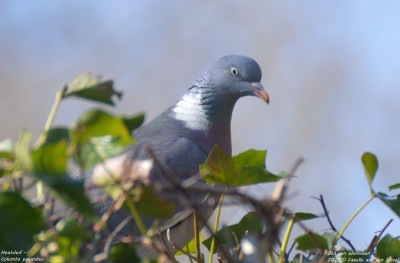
(183, 136)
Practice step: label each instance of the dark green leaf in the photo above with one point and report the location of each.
(122, 253)
(301, 258)
(92, 87)
(370, 163)
(134, 122)
(69, 190)
(249, 223)
(304, 216)
(149, 204)
(388, 247)
(243, 169)
(392, 202)
(19, 222)
(6, 149)
(352, 256)
(311, 241)
(395, 186)
(97, 136)
(69, 227)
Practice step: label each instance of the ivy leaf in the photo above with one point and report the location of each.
(244, 169)
(19, 222)
(97, 136)
(370, 163)
(249, 223)
(121, 253)
(22, 151)
(395, 186)
(90, 87)
(149, 204)
(300, 216)
(311, 241)
(392, 202)
(388, 247)
(50, 157)
(190, 247)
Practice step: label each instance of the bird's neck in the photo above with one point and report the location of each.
(201, 110)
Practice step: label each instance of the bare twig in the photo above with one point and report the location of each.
(321, 199)
(376, 239)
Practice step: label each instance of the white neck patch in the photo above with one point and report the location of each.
(190, 111)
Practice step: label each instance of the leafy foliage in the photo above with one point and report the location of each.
(98, 135)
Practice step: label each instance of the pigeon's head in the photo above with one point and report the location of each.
(234, 77)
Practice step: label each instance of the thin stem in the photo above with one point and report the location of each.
(49, 122)
(136, 216)
(353, 216)
(197, 237)
(212, 248)
(285, 241)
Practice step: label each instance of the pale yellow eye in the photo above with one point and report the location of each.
(234, 71)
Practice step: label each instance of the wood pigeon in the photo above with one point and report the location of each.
(179, 140)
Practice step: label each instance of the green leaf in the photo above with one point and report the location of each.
(388, 247)
(134, 122)
(122, 253)
(71, 191)
(69, 227)
(392, 202)
(190, 247)
(88, 86)
(311, 241)
(244, 169)
(97, 136)
(395, 186)
(300, 216)
(6, 149)
(301, 258)
(370, 163)
(149, 204)
(19, 222)
(22, 152)
(249, 223)
(51, 157)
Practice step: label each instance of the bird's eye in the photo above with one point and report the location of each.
(234, 71)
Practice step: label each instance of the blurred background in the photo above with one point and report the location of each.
(331, 69)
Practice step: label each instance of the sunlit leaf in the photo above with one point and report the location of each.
(19, 222)
(249, 223)
(22, 151)
(243, 169)
(370, 163)
(92, 87)
(388, 247)
(97, 136)
(191, 246)
(6, 148)
(51, 157)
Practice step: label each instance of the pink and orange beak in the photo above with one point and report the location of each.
(259, 91)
